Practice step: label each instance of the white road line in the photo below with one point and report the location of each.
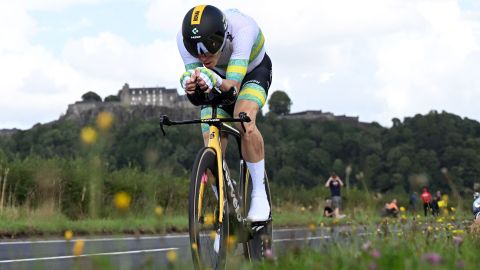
(302, 239)
(93, 239)
(89, 255)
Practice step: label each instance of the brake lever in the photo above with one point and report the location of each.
(244, 118)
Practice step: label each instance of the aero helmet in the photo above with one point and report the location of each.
(203, 29)
(476, 195)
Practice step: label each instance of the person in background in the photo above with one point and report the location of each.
(436, 199)
(476, 206)
(328, 210)
(391, 209)
(427, 200)
(412, 202)
(335, 183)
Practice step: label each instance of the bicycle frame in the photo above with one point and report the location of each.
(216, 127)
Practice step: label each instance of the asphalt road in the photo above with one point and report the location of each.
(147, 252)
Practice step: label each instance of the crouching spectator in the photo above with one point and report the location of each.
(391, 209)
(328, 211)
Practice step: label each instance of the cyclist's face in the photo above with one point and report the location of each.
(209, 60)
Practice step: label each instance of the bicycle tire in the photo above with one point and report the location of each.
(260, 242)
(203, 220)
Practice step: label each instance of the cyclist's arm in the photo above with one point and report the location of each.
(340, 181)
(237, 67)
(190, 63)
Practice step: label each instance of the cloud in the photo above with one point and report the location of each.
(110, 56)
(376, 59)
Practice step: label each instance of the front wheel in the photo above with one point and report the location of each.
(208, 236)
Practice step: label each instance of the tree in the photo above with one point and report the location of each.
(112, 98)
(91, 97)
(279, 103)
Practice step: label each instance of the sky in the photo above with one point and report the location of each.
(375, 59)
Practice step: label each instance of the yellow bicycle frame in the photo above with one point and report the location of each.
(214, 143)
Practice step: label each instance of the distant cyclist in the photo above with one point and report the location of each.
(476, 205)
(222, 50)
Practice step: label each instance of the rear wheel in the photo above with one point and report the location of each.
(208, 237)
(259, 245)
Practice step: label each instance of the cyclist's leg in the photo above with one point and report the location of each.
(251, 99)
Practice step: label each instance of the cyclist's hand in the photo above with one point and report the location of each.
(201, 76)
(201, 82)
(206, 79)
(188, 80)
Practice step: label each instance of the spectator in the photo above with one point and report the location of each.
(328, 211)
(412, 202)
(335, 183)
(427, 200)
(436, 199)
(391, 209)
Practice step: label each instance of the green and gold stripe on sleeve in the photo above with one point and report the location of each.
(236, 70)
(257, 46)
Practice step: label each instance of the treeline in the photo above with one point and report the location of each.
(437, 149)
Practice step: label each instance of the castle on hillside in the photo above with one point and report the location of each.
(153, 96)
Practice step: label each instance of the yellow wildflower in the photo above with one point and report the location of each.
(68, 235)
(172, 256)
(104, 120)
(158, 210)
(78, 247)
(122, 200)
(88, 135)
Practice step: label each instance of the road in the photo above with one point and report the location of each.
(132, 252)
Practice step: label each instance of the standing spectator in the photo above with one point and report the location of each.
(413, 202)
(334, 183)
(435, 206)
(427, 200)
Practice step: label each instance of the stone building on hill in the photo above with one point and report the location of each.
(153, 96)
(325, 116)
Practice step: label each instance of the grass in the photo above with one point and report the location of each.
(410, 241)
(16, 223)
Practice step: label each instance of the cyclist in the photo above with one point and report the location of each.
(222, 50)
(476, 204)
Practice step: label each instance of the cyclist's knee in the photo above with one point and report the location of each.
(250, 108)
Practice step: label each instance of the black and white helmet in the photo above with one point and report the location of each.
(204, 29)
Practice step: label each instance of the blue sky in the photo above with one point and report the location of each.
(398, 59)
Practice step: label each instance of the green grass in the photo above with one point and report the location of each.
(47, 223)
(409, 242)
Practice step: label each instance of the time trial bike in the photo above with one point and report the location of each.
(218, 205)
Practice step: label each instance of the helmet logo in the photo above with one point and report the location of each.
(195, 31)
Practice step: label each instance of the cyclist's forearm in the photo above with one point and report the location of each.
(228, 84)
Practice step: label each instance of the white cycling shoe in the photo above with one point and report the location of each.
(259, 209)
(216, 243)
